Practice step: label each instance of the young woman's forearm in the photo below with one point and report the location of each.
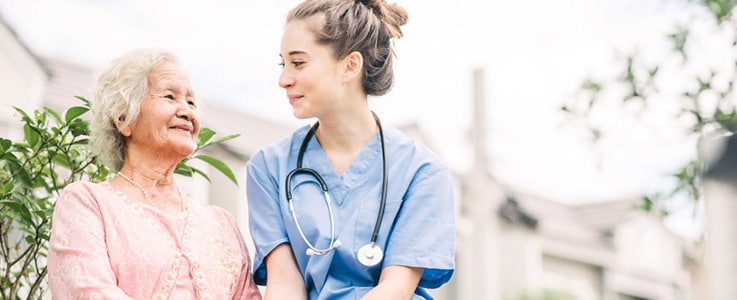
(284, 281)
(396, 282)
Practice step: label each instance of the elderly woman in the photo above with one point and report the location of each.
(137, 236)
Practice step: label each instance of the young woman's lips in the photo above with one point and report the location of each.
(294, 98)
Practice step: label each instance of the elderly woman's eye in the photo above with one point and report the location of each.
(169, 97)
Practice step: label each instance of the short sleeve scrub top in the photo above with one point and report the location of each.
(417, 229)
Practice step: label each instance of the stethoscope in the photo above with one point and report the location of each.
(369, 254)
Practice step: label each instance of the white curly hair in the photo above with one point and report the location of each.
(118, 94)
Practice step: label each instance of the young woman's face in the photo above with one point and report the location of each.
(310, 75)
(168, 117)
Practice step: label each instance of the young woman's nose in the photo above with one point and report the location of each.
(285, 79)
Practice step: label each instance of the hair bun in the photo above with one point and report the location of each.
(392, 15)
(372, 4)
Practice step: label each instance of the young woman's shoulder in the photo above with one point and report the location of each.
(280, 150)
(401, 144)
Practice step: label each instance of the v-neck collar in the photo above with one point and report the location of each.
(338, 186)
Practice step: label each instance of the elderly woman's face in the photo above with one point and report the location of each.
(168, 118)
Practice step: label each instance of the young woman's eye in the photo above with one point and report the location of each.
(297, 63)
(281, 64)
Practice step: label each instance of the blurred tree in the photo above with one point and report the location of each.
(701, 88)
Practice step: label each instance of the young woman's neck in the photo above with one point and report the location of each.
(343, 137)
(347, 130)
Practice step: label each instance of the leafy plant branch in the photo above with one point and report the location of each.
(707, 101)
(52, 154)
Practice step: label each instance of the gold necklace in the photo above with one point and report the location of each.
(146, 196)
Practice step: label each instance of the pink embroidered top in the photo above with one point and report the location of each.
(106, 246)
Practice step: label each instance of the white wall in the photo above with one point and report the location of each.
(22, 82)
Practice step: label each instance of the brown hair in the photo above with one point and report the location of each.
(365, 26)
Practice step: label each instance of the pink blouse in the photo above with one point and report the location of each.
(105, 246)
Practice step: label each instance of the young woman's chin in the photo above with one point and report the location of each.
(301, 114)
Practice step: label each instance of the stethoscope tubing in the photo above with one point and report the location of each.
(311, 248)
(323, 186)
(382, 205)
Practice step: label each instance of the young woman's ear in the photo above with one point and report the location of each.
(353, 65)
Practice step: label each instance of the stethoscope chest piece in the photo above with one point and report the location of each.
(370, 255)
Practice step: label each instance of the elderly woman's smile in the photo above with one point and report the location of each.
(168, 110)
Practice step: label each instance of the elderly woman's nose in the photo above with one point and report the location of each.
(185, 111)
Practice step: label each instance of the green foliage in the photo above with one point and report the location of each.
(707, 100)
(205, 139)
(52, 153)
(721, 9)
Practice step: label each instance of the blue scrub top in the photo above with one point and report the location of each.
(418, 227)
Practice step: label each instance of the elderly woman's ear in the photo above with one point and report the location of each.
(125, 131)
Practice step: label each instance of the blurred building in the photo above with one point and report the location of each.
(514, 245)
(511, 244)
(22, 79)
(719, 155)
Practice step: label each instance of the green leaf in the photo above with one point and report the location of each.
(21, 212)
(203, 174)
(74, 112)
(204, 136)
(24, 115)
(31, 135)
(83, 141)
(40, 118)
(83, 99)
(43, 214)
(225, 138)
(44, 236)
(8, 187)
(22, 176)
(183, 169)
(5, 145)
(78, 127)
(220, 166)
(61, 160)
(54, 115)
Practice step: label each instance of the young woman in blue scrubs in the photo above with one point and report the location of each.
(369, 212)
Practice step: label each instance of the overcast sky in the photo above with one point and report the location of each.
(535, 55)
